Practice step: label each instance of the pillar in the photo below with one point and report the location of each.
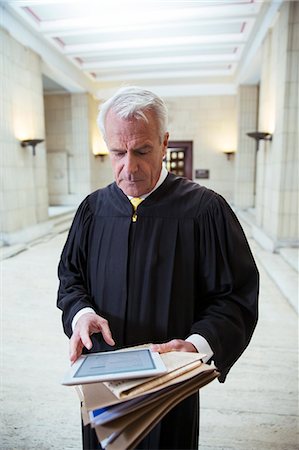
(245, 163)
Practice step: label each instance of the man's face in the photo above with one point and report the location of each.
(136, 152)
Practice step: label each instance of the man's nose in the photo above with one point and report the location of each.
(131, 163)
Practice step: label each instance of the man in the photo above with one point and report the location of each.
(176, 270)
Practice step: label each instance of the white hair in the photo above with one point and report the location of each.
(134, 102)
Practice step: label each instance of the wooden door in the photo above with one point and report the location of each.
(178, 158)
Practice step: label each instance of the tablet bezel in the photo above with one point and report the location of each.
(159, 368)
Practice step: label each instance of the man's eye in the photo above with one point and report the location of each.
(142, 152)
(118, 154)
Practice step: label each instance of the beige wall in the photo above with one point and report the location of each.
(72, 140)
(100, 168)
(277, 161)
(59, 144)
(24, 195)
(210, 122)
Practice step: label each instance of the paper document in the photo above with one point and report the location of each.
(122, 412)
(176, 364)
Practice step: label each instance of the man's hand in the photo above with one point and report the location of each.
(87, 325)
(178, 345)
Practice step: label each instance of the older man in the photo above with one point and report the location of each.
(155, 258)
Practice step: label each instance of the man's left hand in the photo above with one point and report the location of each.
(177, 345)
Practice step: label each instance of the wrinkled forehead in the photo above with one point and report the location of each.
(130, 132)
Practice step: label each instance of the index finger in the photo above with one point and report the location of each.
(106, 332)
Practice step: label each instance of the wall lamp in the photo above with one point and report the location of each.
(260, 136)
(101, 155)
(229, 154)
(31, 143)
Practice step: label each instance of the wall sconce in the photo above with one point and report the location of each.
(101, 155)
(260, 136)
(31, 143)
(229, 154)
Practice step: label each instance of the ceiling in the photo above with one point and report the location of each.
(177, 47)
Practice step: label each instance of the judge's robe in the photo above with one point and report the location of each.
(183, 267)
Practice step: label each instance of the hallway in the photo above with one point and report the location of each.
(255, 409)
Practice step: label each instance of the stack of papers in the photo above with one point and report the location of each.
(123, 412)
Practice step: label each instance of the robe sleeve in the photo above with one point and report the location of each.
(227, 309)
(72, 291)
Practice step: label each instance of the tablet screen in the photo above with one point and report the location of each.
(115, 362)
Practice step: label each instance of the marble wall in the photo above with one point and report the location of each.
(23, 189)
(72, 140)
(58, 125)
(100, 168)
(210, 122)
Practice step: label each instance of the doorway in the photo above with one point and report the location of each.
(178, 159)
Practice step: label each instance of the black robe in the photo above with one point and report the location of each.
(183, 267)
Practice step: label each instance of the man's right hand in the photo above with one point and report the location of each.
(87, 325)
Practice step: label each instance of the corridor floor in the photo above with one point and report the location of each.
(256, 408)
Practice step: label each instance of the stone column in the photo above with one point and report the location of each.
(287, 226)
(245, 163)
(23, 187)
(277, 186)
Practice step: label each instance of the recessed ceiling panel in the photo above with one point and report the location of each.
(140, 39)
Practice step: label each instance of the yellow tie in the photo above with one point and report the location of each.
(135, 202)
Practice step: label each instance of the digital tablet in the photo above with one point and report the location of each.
(116, 365)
